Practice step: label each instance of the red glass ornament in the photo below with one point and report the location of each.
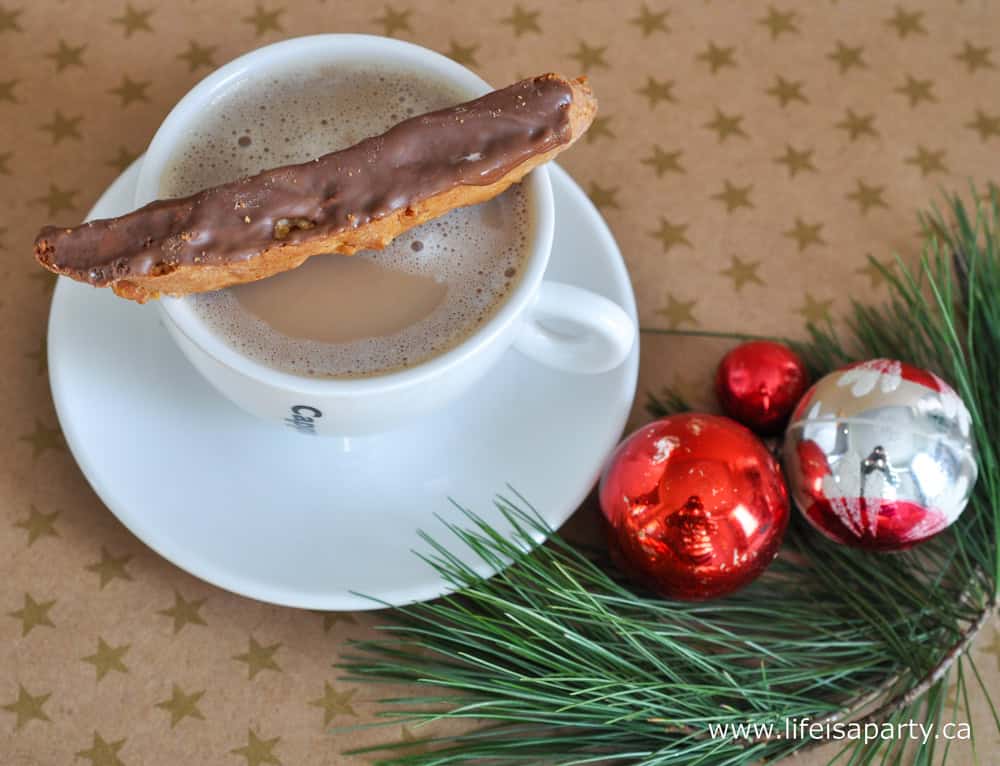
(696, 506)
(759, 383)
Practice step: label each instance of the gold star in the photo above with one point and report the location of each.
(33, 614)
(600, 128)
(858, 125)
(603, 197)
(332, 618)
(590, 57)
(917, 90)
(671, 235)
(726, 125)
(663, 162)
(7, 91)
(778, 22)
(806, 234)
(873, 272)
(994, 646)
(122, 160)
(197, 55)
(63, 127)
(975, 58)
(334, 703)
(66, 55)
(4, 159)
(38, 525)
(27, 707)
(848, 57)
(8, 20)
(787, 91)
(133, 20)
(523, 21)
(107, 658)
(985, 125)
(43, 438)
(264, 21)
(417, 747)
(259, 658)
(907, 23)
(181, 705)
(867, 196)
(678, 312)
(657, 91)
(650, 22)
(742, 273)
(110, 568)
(717, 57)
(46, 279)
(797, 161)
(258, 751)
(928, 161)
(815, 311)
(131, 90)
(734, 197)
(103, 753)
(184, 612)
(463, 54)
(393, 21)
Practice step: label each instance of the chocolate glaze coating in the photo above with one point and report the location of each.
(475, 143)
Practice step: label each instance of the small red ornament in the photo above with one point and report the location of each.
(696, 506)
(759, 383)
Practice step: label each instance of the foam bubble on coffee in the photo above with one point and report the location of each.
(370, 313)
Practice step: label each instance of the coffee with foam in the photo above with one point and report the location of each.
(370, 313)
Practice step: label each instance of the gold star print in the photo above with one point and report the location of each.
(994, 646)
(102, 753)
(418, 745)
(334, 703)
(463, 54)
(787, 91)
(122, 160)
(726, 125)
(975, 58)
(796, 161)
(332, 618)
(858, 125)
(806, 234)
(590, 57)
(663, 162)
(867, 196)
(258, 658)
(46, 279)
(848, 57)
(198, 55)
(184, 612)
(43, 438)
(7, 91)
(815, 311)
(264, 21)
(671, 235)
(523, 21)
(657, 91)
(27, 707)
(873, 272)
(603, 196)
(678, 312)
(110, 568)
(66, 55)
(917, 91)
(779, 22)
(742, 273)
(258, 751)
(599, 128)
(907, 24)
(928, 161)
(8, 19)
(4, 160)
(107, 658)
(33, 614)
(63, 127)
(38, 525)
(133, 20)
(650, 22)
(394, 21)
(131, 90)
(717, 57)
(734, 197)
(985, 125)
(181, 705)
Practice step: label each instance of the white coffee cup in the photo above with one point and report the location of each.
(558, 325)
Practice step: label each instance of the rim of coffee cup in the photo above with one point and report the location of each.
(355, 47)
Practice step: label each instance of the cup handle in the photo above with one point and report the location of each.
(591, 335)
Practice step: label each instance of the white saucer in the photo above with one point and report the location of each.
(316, 523)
